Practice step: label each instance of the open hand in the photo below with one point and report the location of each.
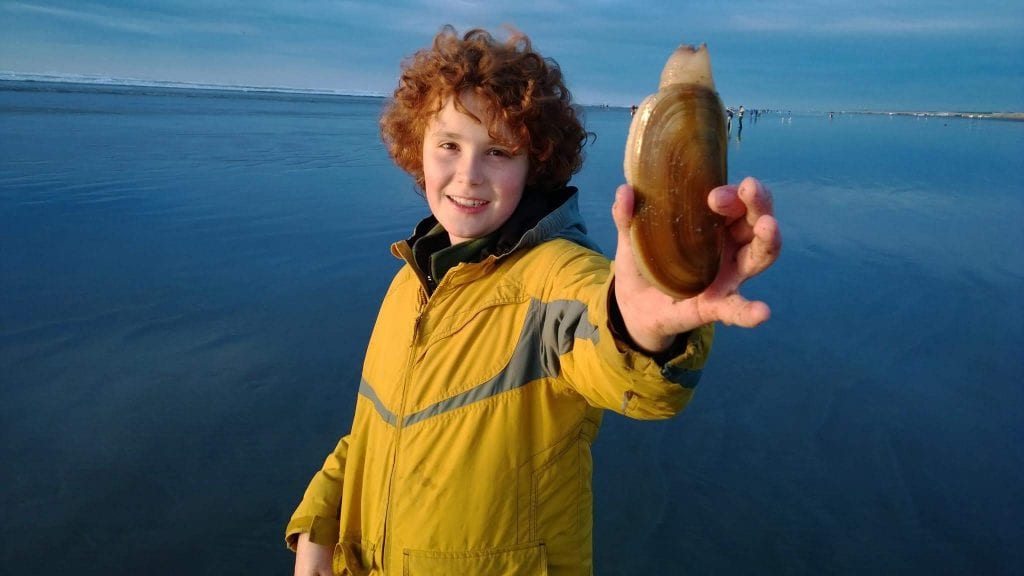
(752, 244)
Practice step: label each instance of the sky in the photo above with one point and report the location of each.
(936, 55)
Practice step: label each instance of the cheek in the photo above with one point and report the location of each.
(428, 173)
(516, 178)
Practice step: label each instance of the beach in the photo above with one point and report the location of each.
(188, 279)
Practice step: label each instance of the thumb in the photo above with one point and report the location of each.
(622, 214)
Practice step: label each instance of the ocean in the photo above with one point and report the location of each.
(188, 278)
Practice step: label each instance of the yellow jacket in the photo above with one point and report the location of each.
(469, 452)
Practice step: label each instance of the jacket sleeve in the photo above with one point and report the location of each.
(602, 366)
(318, 513)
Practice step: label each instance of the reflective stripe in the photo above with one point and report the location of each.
(549, 330)
(366, 390)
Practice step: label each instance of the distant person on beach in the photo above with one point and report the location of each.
(506, 334)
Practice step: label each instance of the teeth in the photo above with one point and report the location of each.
(467, 202)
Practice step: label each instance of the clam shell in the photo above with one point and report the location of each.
(675, 156)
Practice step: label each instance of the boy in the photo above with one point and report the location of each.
(505, 334)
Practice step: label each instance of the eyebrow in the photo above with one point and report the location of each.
(446, 134)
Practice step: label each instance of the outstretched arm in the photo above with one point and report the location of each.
(752, 243)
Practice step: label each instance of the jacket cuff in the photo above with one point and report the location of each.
(323, 531)
(686, 367)
(682, 362)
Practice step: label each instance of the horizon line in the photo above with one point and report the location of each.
(95, 80)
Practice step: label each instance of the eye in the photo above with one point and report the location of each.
(448, 146)
(499, 152)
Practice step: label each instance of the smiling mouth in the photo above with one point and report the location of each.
(467, 202)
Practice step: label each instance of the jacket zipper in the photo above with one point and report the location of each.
(386, 558)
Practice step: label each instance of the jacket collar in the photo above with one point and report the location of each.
(540, 216)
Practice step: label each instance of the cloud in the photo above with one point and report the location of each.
(610, 49)
(112, 19)
(871, 22)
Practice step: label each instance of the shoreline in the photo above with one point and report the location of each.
(172, 85)
(1011, 116)
(98, 81)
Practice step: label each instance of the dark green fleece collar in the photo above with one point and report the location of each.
(435, 256)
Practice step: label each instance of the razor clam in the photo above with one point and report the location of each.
(675, 155)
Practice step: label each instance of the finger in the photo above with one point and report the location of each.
(763, 249)
(622, 209)
(622, 214)
(738, 311)
(725, 200)
(756, 198)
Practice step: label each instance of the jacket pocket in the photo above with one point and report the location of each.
(554, 494)
(352, 558)
(518, 560)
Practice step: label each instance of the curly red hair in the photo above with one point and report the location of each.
(523, 92)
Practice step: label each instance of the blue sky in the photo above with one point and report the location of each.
(795, 54)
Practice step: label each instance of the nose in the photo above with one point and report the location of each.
(470, 169)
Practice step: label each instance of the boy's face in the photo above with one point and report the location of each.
(472, 182)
